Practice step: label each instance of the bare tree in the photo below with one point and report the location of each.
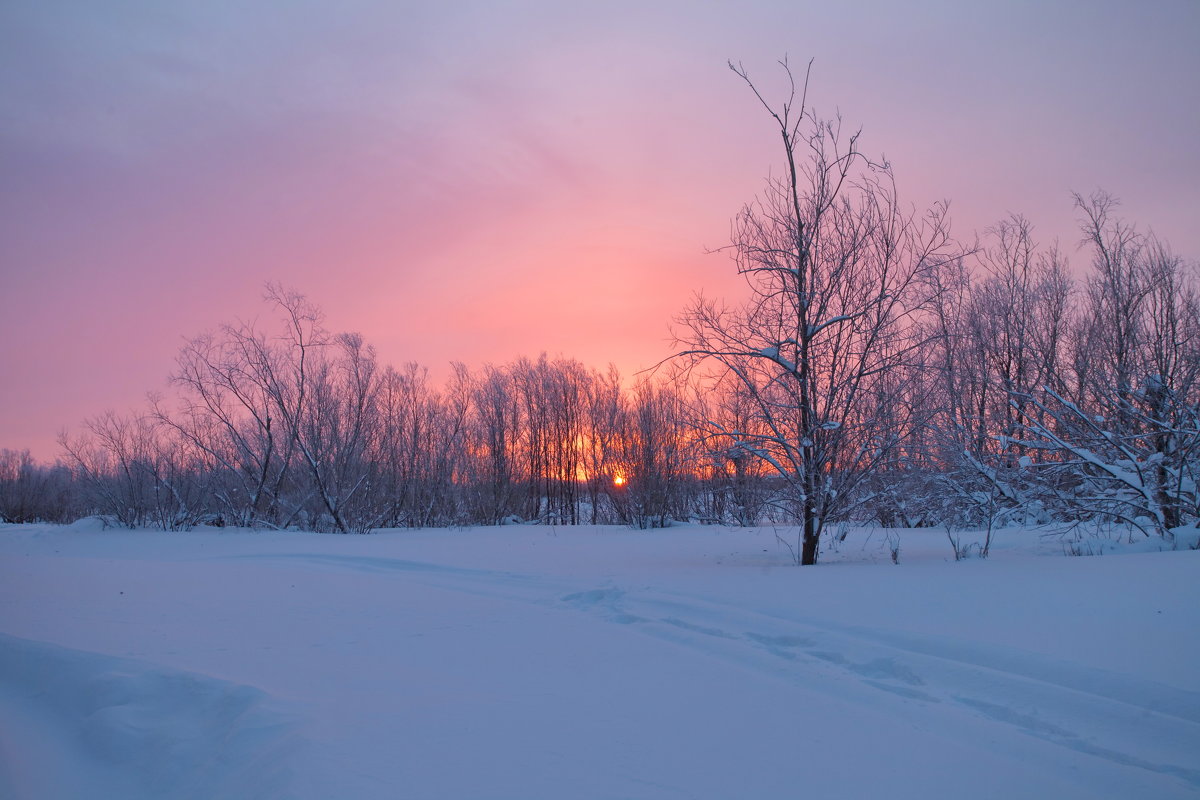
(224, 411)
(336, 428)
(496, 439)
(1114, 321)
(601, 441)
(655, 464)
(31, 492)
(567, 394)
(135, 473)
(737, 487)
(405, 448)
(997, 335)
(1120, 439)
(839, 273)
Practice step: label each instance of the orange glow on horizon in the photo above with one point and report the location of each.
(618, 480)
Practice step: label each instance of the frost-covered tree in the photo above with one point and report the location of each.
(222, 409)
(136, 473)
(996, 335)
(839, 273)
(1120, 437)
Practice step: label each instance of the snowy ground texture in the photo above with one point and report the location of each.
(531, 662)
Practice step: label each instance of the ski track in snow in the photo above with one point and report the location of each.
(1047, 699)
(1129, 722)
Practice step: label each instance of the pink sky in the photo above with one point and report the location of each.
(480, 181)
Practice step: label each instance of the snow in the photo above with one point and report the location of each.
(591, 662)
(772, 352)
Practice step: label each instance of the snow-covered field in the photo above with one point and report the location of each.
(533, 662)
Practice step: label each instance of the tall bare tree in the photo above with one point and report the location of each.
(839, 271)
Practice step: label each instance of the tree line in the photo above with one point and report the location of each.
(879, 371)
(299, 427)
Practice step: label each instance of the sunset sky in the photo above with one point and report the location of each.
(475, 181)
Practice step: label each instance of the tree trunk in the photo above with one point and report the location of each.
(812, 536)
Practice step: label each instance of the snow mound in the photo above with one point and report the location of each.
(81, 724)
